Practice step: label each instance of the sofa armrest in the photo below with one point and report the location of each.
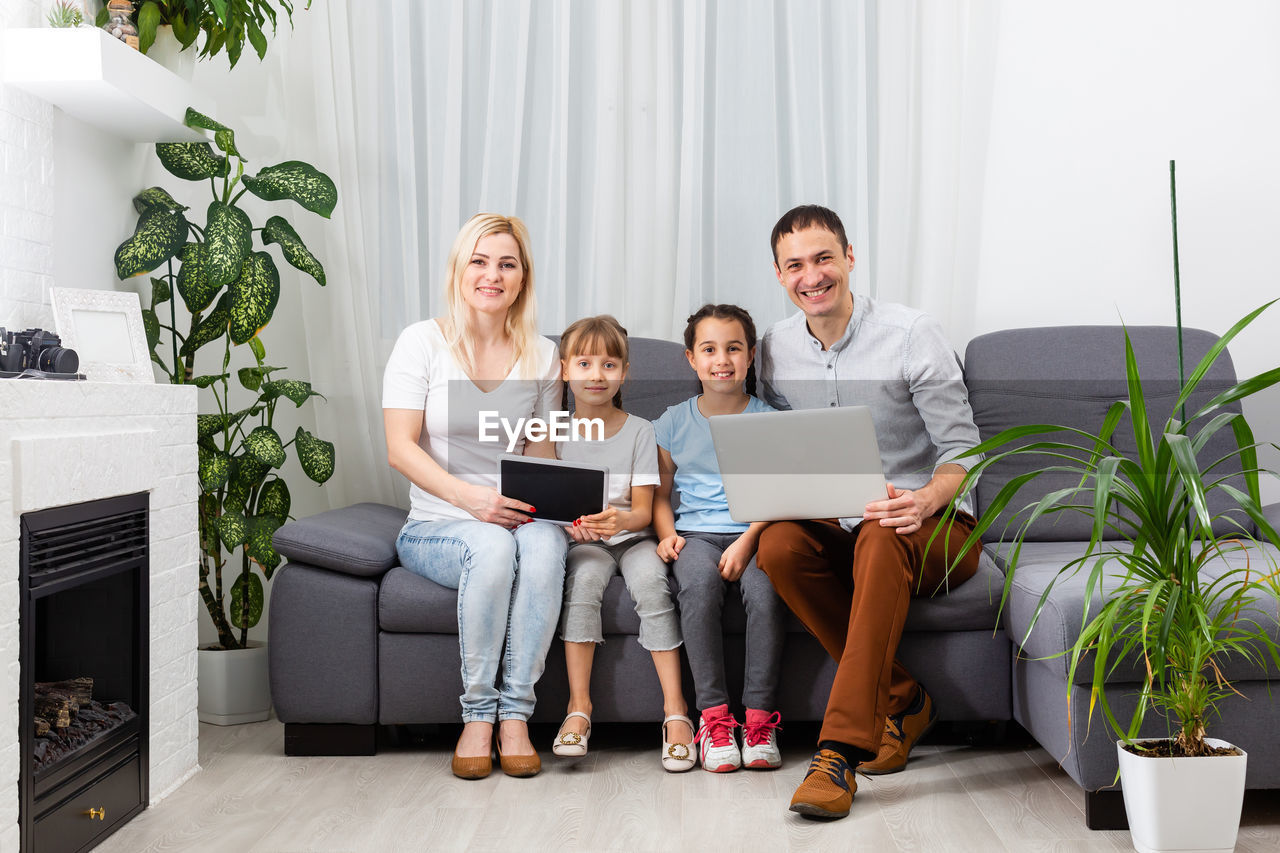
(356, 540)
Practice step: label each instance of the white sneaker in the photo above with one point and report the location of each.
(717, 745)
(760, 740)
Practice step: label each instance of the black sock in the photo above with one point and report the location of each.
(855, 755)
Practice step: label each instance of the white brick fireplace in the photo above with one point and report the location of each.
(69, 442)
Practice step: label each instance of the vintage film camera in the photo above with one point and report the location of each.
(36, 351)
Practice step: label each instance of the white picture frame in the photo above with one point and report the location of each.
(105, 329)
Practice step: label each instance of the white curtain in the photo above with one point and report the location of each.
(649, 146)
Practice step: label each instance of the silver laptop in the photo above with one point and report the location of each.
(808, 463)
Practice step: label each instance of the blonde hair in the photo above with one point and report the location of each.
(599, 335)
(521, 323)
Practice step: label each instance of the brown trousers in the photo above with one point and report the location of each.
(852, 591)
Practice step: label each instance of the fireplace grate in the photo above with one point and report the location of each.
(86, 545)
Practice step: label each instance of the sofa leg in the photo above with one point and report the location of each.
(330, 739)
(1105, 809)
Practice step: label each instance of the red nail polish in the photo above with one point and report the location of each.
(533, 509)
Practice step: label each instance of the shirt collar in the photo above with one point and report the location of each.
(860, 306)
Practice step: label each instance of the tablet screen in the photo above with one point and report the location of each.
(558, 491)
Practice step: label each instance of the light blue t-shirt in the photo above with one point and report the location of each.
(683, 432)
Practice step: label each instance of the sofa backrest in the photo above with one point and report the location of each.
(659, 377)
(1070, 376)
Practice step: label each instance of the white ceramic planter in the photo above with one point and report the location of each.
(234, 687)
(1183, 804)
(167, 51)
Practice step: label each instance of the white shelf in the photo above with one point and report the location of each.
(102, 81)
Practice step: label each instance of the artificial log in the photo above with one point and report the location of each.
(42, 727)
(80, 689)
(54, 710)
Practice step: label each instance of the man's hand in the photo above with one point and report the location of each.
(903, 510)
(669, 548)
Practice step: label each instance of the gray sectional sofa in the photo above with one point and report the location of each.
(357, 642)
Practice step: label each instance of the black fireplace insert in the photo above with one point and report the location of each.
(84, 665)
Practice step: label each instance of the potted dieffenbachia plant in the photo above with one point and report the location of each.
(228, 283)
(1155, 562)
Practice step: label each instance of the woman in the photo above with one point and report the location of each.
(485, 356)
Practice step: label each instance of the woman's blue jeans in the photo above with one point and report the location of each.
(510, 584)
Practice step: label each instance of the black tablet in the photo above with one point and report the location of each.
(558, 491)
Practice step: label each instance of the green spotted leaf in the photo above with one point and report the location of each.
(156, 198)
(254, 296)
(228, 238)
(224, 137)
(160, 291)
(273, 500)
(278, 231)
(207, 425)
(233, 529)
(246, 473)
(151, 326)
(265, 446)
(192, 161)
(193, 279)
(295, 389)
(208, 504)
(302, 182)
(160, 234)
(246, 601)
(213, 469)
(259, 546)
(251, 377)
(206, 381)
(211, 328)
(315, 455)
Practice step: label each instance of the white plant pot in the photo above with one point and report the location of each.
(167, 51)
(1183, 804)
(234, 687)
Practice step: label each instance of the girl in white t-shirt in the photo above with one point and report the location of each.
(593, 360)
(486, 357)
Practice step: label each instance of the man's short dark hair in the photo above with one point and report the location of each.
(808, 216)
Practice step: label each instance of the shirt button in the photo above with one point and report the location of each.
(831, 367)
(832, 403)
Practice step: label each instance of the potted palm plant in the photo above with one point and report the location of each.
(230, 292)
(1181, 587)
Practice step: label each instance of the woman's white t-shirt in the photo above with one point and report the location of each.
(423, 374)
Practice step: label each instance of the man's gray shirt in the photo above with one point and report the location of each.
(895, 360)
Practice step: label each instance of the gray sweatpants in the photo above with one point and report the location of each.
(588, 569)
(701, 597)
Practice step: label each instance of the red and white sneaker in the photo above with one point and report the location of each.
(760, 740)
(717, 746)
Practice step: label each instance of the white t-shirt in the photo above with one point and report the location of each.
(630, 454)
(423, 374)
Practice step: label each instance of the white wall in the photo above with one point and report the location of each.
(1092, 100)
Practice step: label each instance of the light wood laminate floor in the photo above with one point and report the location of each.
(251, 798)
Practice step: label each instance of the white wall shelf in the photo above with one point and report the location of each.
(102, 81)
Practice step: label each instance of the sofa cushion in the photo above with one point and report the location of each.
(354, 540)
(1070, 376)
(1062, 617)
(411, 604)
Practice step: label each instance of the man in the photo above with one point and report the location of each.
(851, 580)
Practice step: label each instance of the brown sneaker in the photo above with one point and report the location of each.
(828, 787)
(901, 731)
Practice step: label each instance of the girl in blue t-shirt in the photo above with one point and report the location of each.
(712, 551)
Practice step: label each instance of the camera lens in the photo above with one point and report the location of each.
(58, 360)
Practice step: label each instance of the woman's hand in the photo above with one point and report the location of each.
(486, 504)
(734, 560)
(669, 548)
(603, 524)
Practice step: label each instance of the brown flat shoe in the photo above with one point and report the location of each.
(471, 767)
(518, 765)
